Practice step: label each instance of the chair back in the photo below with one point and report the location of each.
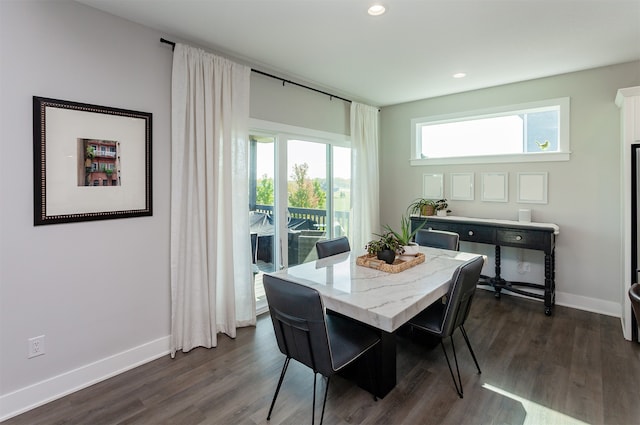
(299, 323)
(438, 239)
(463, 288)
(334, 246)
(634, 295)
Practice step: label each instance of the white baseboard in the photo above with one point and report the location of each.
(593, 305)
(43, 392)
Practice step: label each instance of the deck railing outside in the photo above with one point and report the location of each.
(316, 215)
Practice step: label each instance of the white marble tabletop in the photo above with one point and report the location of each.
(384, 300)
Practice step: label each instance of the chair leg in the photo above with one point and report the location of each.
(313, 406)
(459, 381)
(326, 391)
(284, 370)
(466, 338)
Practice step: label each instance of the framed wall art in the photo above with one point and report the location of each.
(462, 187)
(433, 186)
(532, 188)
(90, 162)
(495, 187)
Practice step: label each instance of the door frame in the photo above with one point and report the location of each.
(635, 169)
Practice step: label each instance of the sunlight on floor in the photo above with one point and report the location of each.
(536, 413)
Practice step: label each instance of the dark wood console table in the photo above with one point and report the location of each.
(536, 236)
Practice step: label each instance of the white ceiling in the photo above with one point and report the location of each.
(410, 52)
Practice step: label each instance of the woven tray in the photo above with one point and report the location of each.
(398, 265)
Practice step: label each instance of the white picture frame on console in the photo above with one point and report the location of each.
(495, 187)
(532, 187)
(433, 186)
(462, 188)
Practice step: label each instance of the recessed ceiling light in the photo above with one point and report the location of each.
(459, 75)
(376, 10)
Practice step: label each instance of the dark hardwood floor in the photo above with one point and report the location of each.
(573, 367)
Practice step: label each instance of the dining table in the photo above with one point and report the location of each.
(382, 300)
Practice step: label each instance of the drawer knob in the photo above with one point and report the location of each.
(470, 232)
(518, 238)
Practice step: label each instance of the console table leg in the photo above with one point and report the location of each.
(497, 280)
(549, 283)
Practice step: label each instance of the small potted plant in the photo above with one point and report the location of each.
(405, 235)
(385, 247)
(441, 206)
(422, 206)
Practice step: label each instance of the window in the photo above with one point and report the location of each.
(536, 131)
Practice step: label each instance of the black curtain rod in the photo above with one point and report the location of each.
(331, 96)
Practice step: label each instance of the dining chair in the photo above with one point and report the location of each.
(438, 239)
(327, 247)
(324, 343)
(634, 296)
(442, 319)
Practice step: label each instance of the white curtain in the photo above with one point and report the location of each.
(365, 198)
(211, 279)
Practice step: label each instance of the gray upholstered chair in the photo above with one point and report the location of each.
(442, 319)
(438, 239)
(334, 246)
(634, 295)
(325, 343)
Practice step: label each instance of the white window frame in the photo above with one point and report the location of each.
(282, 133)
(564, 138)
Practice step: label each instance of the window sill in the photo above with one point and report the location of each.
(494, 159)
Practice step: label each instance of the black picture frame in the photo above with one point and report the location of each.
(90, 162)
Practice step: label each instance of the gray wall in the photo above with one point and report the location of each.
(99, 291)
(297, 106)
(584, 193)
(95, 289)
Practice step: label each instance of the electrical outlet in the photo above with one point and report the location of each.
(524, 267)
(35, 346)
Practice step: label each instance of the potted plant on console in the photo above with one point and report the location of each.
(405, 235)
(385, 247)
(442, 208)
(422, 206)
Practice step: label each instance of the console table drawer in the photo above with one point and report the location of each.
(471, 233)
(467, 232)
(525, 238)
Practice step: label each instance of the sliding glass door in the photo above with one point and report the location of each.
(299, 194)
(307, 200)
